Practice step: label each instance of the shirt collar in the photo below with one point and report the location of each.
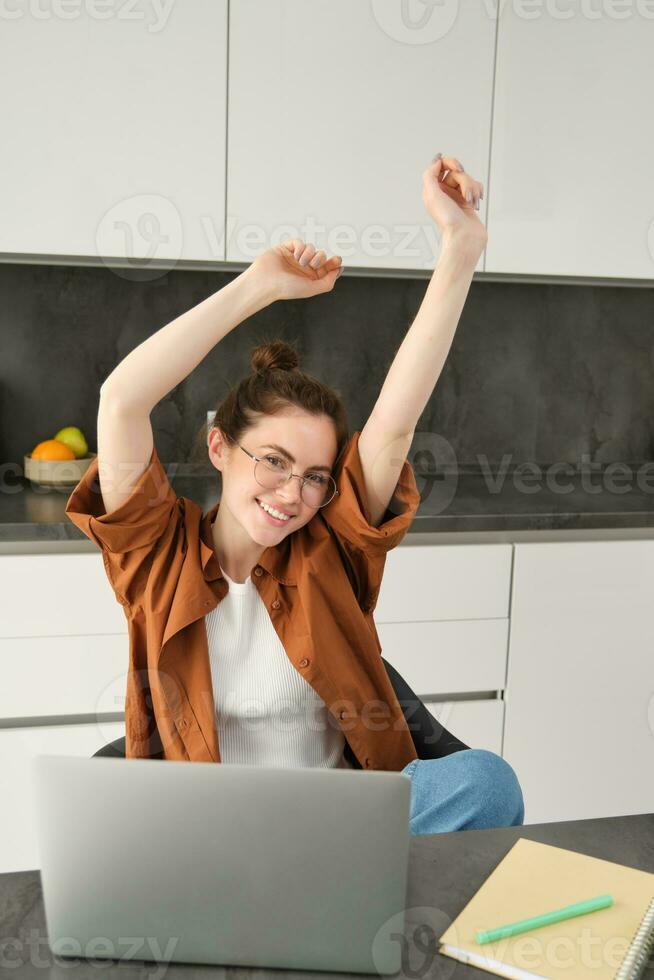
(276, 560)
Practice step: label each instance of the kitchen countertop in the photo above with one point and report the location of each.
(615, 501)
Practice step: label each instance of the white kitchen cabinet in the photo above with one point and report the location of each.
(336, 108)
(572, 96)
(114, 128)
(579, 726)
(18, 746)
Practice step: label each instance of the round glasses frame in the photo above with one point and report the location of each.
(302, 479)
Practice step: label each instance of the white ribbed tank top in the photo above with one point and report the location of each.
(266, 713)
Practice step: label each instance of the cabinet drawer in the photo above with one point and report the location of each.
(57, 595)
(63, 675)
(447, 657)
(477, 723)
(462, 581)
(18, 844)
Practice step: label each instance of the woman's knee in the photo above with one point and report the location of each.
(495, 783)
(500, 784)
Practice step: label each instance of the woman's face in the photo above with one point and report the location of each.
(311, 442)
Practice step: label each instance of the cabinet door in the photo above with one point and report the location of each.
(113, 124)
(335, 110)
(18, 842)
(579, 727)
(572, 90)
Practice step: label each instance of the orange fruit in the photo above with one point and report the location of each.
(52, 449)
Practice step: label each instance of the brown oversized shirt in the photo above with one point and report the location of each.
(320, 585)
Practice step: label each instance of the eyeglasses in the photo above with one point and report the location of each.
(272, 472)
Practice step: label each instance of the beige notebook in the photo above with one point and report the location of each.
(613, 943)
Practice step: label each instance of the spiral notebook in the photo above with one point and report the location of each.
(613, 943)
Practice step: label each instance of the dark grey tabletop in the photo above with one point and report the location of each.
(445, 870)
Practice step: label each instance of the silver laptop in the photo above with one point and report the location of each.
(190, 862)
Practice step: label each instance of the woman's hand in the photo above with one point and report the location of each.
(295, 270)
(451, 197)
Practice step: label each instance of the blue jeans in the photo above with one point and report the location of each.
(466, 790)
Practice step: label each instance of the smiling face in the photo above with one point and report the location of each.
(309, 439)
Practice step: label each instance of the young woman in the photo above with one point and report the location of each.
(265, 603)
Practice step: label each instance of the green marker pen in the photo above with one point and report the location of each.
(523, 925)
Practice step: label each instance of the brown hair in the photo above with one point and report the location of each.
(275, 383)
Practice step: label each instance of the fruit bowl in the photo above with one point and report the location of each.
(57, 472)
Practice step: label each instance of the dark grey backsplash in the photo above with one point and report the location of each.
(536, 372)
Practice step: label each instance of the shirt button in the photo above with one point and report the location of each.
(276, 604)
(304, 662)
(368, 763)
(182, 724)
(343, 713)
(258, 570)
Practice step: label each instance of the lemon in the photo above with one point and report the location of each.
(73, 437)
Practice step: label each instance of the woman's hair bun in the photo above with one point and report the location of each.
(275, 356)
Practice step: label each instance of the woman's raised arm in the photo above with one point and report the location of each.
(451, 197)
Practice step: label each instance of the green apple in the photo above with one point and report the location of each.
(74, 439)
